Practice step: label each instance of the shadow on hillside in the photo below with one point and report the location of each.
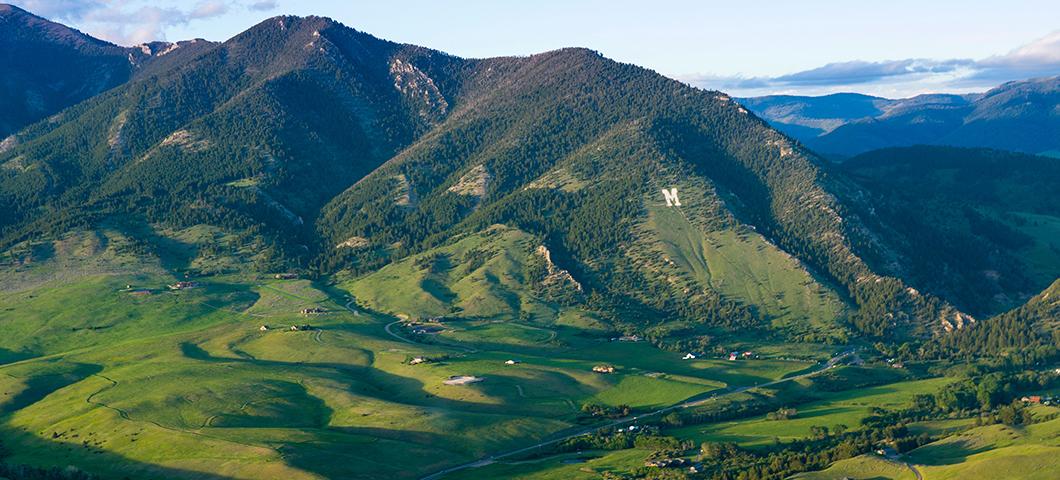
(40, 386)
(174, 255)
(340, 454)
(11, 356)
(60, 456)
(947, 453)
(368, 381)
(329, 454)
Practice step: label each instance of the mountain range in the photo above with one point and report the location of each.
(77, 66)
(309, 252)
(337, 151)
(1019, 116)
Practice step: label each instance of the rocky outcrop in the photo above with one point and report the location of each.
(420, 89)
(955, 320)
(473, 183)
(557, 277)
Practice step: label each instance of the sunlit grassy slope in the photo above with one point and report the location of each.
(845, 408)
(139, 380)
(480, 275)
(120, 382)
(861, 467)
(995, 451)
(745, 267)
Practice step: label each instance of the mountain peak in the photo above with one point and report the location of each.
(295, 23)
(6, 9)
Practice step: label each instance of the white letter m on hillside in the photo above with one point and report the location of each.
(671, 197)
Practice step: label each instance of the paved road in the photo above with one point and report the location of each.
(392, 334)
(896, 458)
(387, 327)
(693, 402)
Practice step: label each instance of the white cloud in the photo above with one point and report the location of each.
(905, 77)
(129, 22)
(209, 9)
(263, 5)
(1043, 51)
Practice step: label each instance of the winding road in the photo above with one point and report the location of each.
(894, 457)
(693, 402)
(392, 334)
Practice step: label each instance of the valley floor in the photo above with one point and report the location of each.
(112, 367)
(141, 380)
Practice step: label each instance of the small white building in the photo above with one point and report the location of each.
(688, 356)
(511, 362)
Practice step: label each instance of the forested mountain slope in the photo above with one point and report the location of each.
(337, 152)
(979, 225)
(261, 129)
(46, 67)
(576, 149)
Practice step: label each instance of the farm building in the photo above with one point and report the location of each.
(665, 462)
(417, 360)
(264, 328)
(313, 311)
(303, 327)
(286, 276)
(604, 369)
(689, 356)
(511, 362)
(462, 380)
(182, 285)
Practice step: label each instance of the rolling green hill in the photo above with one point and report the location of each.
(307, 252)
(331, 150)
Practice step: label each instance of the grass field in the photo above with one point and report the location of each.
(152, 382)
(842, 408)
(995, 451)
(478, 276)
(584, 465)
(143, 381)
(864, 467)
(748, 269)
(992, 451)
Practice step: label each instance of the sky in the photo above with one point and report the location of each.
(896, 48)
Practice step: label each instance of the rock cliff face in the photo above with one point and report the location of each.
(419, 89)
(556, 276)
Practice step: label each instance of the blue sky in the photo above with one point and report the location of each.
(750, 47)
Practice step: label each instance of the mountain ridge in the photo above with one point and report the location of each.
(308, 252)
(1016, 115)
(81, 66)
(337, 151)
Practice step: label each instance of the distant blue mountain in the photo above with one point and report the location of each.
(1021, 116)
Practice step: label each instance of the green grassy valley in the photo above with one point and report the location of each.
(307, 252)
(142, 380)
(211, 381)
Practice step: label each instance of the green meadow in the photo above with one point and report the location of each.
(140, 380)
(841, 408)
(106, 367)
